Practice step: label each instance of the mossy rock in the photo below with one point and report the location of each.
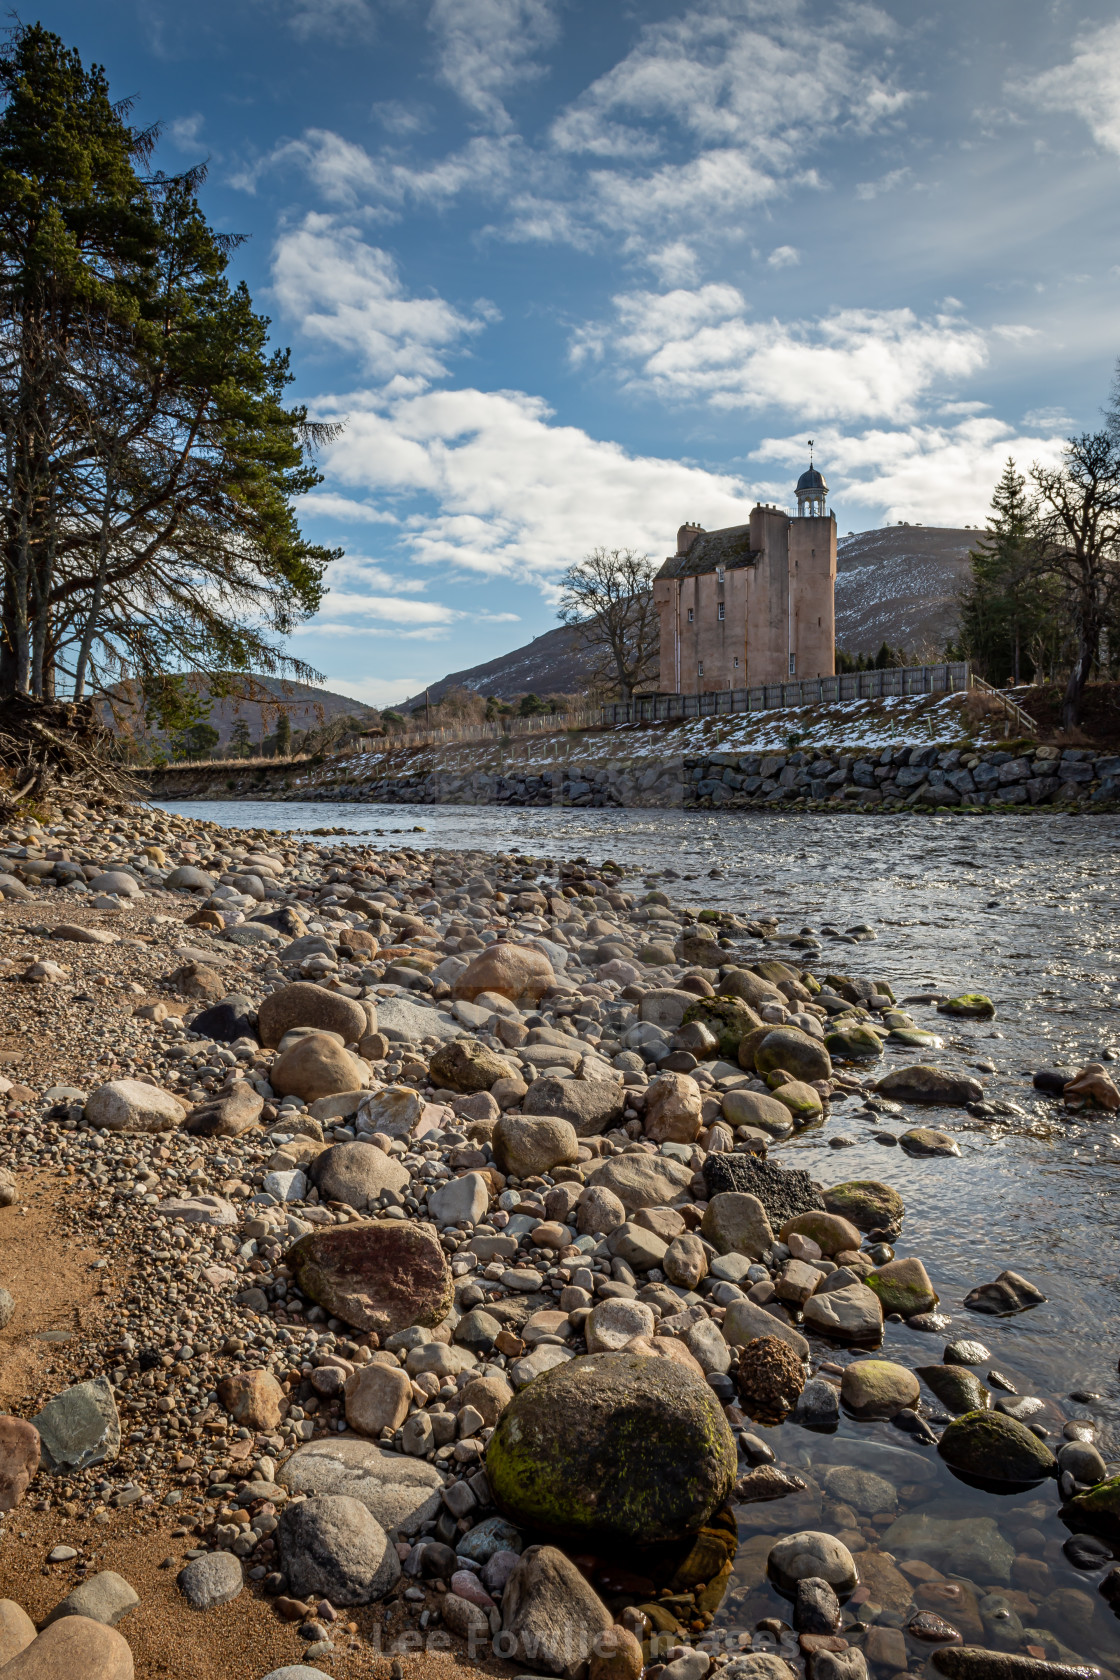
(916, 1038)
(957, 1388)
(970, 1006)
(869, 1205)
(773, 970)
(798, 1052)
(802, 1101)
(612, 1448)
(995, 1448)
(749, 1044)
(1100, 1504)
(854, 1044)
(728, 1017)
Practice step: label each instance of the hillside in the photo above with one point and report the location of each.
(550, 664)
(900, 585)
(307, 708)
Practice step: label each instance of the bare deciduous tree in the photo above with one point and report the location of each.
(608, 602)
(1079, 516)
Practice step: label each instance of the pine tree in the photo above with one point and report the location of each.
(150, 463)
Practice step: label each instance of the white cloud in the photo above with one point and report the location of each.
(784, 256)
(1051, 419)
(1088, 86)
(935, 475)
(885, 184)
(337, 20)
(348, 294)
(345, 174)
(855, 363)
(514, 494)
(385, 691)
(185, 133)
(488, 47)
(330, 506)
(748, 89)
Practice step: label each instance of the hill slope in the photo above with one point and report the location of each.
(550, 664)
(307, 708)
(899, 585)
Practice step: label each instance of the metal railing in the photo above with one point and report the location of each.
(949, 678)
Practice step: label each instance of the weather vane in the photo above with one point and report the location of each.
(810, 451)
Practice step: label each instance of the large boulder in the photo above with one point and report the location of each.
(642, 1181)
(528, 1146)
(551, 1617)
(303, 1004)
(995, 1448)
(228, 1115)
(377, 1398)
(517, 972)
(129, 1105)
(75, 1646)
(728, 1018)
(811, 1556)
(186, 878)
(231, 1018)
(612, 1448)
(316, 1066)
(903, 1287)
(356, 1174)
(20, 1454)
(392, 1109)
(466, 1066)
(752, 988)
(851, 1314)
(831, 1234)
(382, 1276)
(737, 1224)
(333, 1548)
(752, 1108)
(589, 1104)
(672, 1109)
(397, 1491)
(922, 1084)
(80, 1427)
(789, 1048)
(869, 1205)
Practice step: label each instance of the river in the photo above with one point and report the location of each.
(1022, 908)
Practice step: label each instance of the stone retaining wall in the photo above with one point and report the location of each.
(891, 778)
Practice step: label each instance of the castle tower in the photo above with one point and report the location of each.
(812, 492)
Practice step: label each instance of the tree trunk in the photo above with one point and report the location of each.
(1075, 687)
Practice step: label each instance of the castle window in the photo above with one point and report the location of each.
(719, 574)
(720, 614)
(690, 615)
(793, 664)
(700, 669)
(736, 664)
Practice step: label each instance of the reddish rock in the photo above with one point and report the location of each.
(252, 1398)
(382, 1276)
(513, 971)
(19, 1459)
(77, 1647)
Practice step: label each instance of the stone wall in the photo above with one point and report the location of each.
(890, 778)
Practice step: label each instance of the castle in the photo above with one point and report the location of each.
(752, 603)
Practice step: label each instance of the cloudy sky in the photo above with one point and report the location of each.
(575, 272)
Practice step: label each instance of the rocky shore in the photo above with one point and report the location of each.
(398, 1271)
(1009, 777)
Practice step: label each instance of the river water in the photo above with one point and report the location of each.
(1026, 909)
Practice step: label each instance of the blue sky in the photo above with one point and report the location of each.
(574, 272)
